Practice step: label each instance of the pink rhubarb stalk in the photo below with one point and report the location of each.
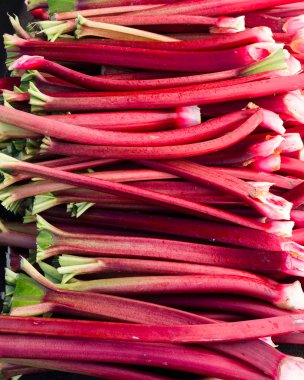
(100, 331)
(163, 152)
(198, 229)
(183, 61)
(215, 7)
(174, 357)
(132, 192)
(192, 95)
(134, 121)
(285, 296)
(267, 204)
(109, 83)
(85, 135)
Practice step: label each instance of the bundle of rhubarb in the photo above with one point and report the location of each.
(152, 153)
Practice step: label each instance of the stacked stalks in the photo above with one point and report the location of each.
(154, 150)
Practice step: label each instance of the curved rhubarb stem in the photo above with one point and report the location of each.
(163, 152)
(85, 135)
(275, 61)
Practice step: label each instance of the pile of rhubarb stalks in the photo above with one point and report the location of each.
(152, 153)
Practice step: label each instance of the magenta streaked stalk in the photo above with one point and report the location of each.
(103, 200)
(176, 357)
(140, 267)
(255, 261)
(233, 304)
(99, 331)
(198, 229)
(52, 241)
(273, 366)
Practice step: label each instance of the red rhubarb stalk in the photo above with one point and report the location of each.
(134, 121)
(287, 296)
(219, 42)
(198, 229)
(163, 152)
(183, 61)
(215, 7)
(273, 62)
(33, 188)
(267, 204)
(233, 304)
(85, 135)
(255, 261)
(132, 192)
(192, 95)
(142, 267)
(176, 357)
(220, 332)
